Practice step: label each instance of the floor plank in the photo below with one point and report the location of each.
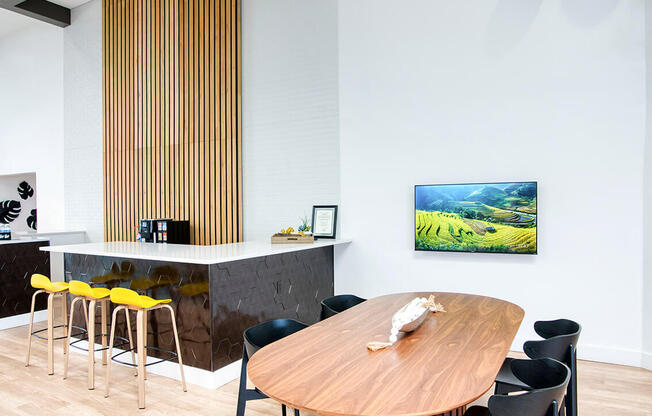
(603, 388)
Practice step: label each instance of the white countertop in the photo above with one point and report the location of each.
(23, 240)
(182, 253)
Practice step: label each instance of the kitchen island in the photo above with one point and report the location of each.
(19, 259)
(217, 291)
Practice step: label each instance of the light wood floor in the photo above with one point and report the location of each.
(603, 388)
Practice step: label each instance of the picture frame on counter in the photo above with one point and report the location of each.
(324, 221)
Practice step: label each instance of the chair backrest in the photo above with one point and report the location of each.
(558, 336)
(78, 287)
(548, 379)
(124, 296)
(38, 281)
(339, 303)
(264, 334)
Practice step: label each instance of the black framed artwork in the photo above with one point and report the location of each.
(324, 221)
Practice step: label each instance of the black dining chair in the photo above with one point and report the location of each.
(256, 338)
(339, 303)
(547, 380)
(559, 343)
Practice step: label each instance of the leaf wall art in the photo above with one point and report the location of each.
(25, 190)
(18, 202)
(9, 211)
(31, 220)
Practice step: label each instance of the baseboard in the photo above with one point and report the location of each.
(647, 360)
(196, 376)
(22, 319)
(601, 353)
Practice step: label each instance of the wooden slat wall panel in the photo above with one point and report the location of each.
(172, 116)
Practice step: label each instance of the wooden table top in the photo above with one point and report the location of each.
(450, 361)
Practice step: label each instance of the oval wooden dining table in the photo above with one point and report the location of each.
(449, 361)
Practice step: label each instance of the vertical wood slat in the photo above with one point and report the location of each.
(172, 117)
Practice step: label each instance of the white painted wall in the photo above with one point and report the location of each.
(31, 113)
(437, 91)
(290, 111)
(647, 215)
(82, 86)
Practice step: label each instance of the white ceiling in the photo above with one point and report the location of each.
(12, 21)
(71, 4)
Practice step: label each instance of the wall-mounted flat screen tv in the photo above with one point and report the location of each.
(477, 217)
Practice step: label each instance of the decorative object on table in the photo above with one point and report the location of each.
(288, 236)
(5, 232)
(407, 319)
(18, 202)
(476, 217)
(324, 221)
(304, 225)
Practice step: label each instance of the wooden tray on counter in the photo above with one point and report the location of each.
(292, 239)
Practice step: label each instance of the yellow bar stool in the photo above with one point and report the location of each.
(129, 300)
(85, 293)
(44, 285)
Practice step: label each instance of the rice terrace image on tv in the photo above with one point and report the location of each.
(484, 217)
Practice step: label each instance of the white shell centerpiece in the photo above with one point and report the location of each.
(408, 319)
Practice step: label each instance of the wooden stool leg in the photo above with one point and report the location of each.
(91, 345)
(131, 342)
(64, 314)
(111, 339)
(50, 334)
(145, 341)
(176, 342)
(140, 341)
(85, 312)
(67, 341)
(104, 333)
(31, 326)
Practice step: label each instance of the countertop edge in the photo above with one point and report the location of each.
(261, 249)
(23, 241)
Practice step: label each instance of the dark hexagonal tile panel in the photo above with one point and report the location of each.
(214, 304)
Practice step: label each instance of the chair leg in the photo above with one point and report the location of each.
(145, 343)
(85, 312)
(31, 325)
(64, 307)
(67, 342)
(283, 410)
(242, 391)
(91, 345)
(140, 342)
(131, 342)
(111, 339)
(104, 335)
(86, 319)
(571, 392)
(50, 334)
(176, 342)
(296, 412)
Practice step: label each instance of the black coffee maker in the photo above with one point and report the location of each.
(164, 230)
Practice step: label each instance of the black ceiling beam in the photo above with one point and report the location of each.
(43, 10)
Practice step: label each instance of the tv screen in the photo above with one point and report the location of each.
(477, 217)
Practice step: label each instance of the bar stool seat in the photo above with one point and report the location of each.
(132, 298)
(43, 282)
(127, 300)
(52, 289)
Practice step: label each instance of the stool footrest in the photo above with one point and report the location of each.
(45, 329)
(172, 356)
(124, 341)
